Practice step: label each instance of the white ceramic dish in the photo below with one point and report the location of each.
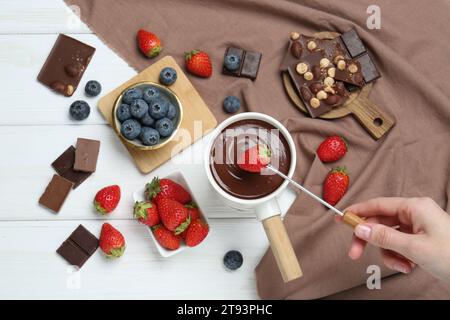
(178, 177)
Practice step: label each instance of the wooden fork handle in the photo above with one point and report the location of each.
(352, 219)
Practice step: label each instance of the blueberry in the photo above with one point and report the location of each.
(149, 136)
(232, 62)
(93, 88)
(158, 108)
(130, 129)
(132, 94)
(150, 94)
(164, 127)
(233, 260)
(148, 121)
(138, 108)
(172, 112)
(231, 104)
(79, 110)
(123, 112)
(168, 76)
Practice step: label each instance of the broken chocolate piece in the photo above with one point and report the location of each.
(56, 193)
(368, 68)
(250, 62)
(65, 65)
(353, 43)
(86, 155)
(79, 247)
(64, 166)
(351, 73)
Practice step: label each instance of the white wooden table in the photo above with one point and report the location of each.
(35, 128)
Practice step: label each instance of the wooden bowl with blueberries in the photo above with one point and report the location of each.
(147, 115)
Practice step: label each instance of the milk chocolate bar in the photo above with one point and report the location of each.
(64, 166)
(65, 65)
(86, 155)
(79, 247)
(56, 193)
(249, 63)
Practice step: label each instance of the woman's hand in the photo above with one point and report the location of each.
(409, 231)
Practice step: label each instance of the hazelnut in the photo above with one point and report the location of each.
(340, 89)
(314, 102)
(58, 86)
(321, 95)
(338, 57)
(315, 87)
(296, 49)
(341, 65)
(324, 62)
(316, 72)
(331, 72)
(353, 68)
(294, 36)
(328, 81)
(332, 99)
(73, 70)
(312, 45)
(329, 89)
(301, 68)
(306, 94)
(358, 78)
(69, 90)
(308, 76)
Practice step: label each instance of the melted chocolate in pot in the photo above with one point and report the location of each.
(238, 137)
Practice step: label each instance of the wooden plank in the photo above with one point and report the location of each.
(25, 170)
(43, 16)
(31, 269)
(26, 101)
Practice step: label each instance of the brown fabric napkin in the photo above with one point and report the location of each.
(411, 50)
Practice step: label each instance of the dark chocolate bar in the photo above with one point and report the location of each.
(65, 65)
(249, 66)
(56, 193)
(64, 166)
(368, 68)
(86, 155)
(353, 43)
(79, 247)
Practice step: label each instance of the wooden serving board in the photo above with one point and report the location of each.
(197, 118)
(369, 115)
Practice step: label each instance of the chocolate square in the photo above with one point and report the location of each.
(250, 65)
(72, 253)
(56, 193)
(86, 155)
(65, 65)
(79, 247)
(64, 166)
(239, 52)
(353, 43)
(85, 240)
(368, 68)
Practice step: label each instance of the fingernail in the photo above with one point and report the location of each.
(363, 231)
(400, 268)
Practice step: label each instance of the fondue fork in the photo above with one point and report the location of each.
(349, 218)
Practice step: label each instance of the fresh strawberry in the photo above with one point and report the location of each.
(254, 159)
(332, 149)
(196, 232)
(146, 212)
(198, 63)
(166, 188)
(112, 241)
(107, 199)
(148, 43)
(193, 211)
(165, 237)
(335, 185)
(173, 214)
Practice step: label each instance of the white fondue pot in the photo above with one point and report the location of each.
(266, 208)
